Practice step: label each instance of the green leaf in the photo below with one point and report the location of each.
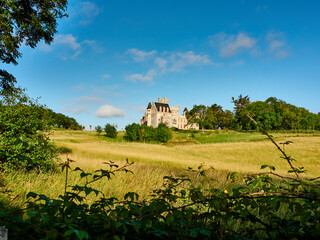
(81, 234)
(68, 233)
(32, 194)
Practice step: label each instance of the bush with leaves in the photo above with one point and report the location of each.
(98, 130)
(110, 130)
(163, 133)
(137, 133)
(24, 143)
(133, 132)
(148, 133)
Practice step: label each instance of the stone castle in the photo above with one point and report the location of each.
(161, 112)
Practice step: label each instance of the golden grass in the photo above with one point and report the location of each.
(152, 162)
(240, 156)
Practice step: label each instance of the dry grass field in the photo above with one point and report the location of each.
(153, 161)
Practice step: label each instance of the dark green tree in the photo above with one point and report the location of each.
(98, 129)
(198, 115)
(23, 141)
(25, 22)
(148, 133)
(111, 130)
(241, 120)
(275, 114)
(133, 132)
(163, 133)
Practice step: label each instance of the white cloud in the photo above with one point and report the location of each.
(82, 104)
(182, 60)
(277, 44)
(70, 47)
(231, 44)
(140, 55)
(80, 110)
(261, 8)
(106, 76)
(168, 62)
(87, 99)
(161, 63)
(68, 40)
(76, 109)
(93, 45)
(88, 11)
(238, 63)
(107, 111)
(143, 78)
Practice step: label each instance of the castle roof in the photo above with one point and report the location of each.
(164, 106)
(149, 105)
(185, 109)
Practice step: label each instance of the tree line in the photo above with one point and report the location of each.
(272, 114)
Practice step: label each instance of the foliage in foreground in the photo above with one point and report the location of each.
(261, 208)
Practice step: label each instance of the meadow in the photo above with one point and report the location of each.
(224, 151)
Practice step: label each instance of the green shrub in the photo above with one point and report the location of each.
(133, 132)
(110, 130)
(163, 133)
(98, 130)
(148, 133)
(24, 143)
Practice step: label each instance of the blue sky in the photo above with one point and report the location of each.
(110, 58)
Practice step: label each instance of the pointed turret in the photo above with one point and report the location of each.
(149, 105)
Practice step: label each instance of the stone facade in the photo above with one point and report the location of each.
(161, 112)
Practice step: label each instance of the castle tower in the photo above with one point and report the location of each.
(149, 114)
(185, 110)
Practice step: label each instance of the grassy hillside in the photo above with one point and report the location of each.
(224, 151)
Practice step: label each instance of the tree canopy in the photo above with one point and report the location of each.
(25, 22)
(210, 117)
(272, 114)
(276, 114)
